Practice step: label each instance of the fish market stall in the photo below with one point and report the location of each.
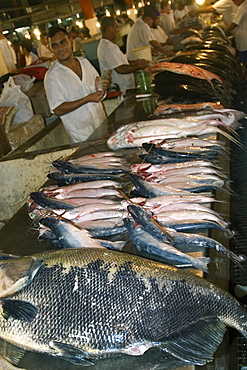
(162, 186)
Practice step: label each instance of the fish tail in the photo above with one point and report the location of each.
(201, 263)
(230, 137)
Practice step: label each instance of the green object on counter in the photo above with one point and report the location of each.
(143, 82)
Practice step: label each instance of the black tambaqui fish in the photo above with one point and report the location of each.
(83, 305)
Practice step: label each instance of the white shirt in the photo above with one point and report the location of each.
(8, 55)
(241, 30)
(44, 51)
(166, 23)
(227, 8)
(159, 34)
(110, 57)
(31, 58)
(179, 14)
(139, 35)
(63, 85)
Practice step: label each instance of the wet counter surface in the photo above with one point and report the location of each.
(19, 237)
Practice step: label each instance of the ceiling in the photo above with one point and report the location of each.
(21, 13)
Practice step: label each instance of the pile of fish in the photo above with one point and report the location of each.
(205, 71)
(170, 187)
(106, 302)
(86, 194)
(156, 130)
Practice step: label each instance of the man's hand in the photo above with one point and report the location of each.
(101, 85)
(95, 97)
(143, 63)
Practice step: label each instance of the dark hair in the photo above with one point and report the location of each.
(156, 12)
(125, 16)
(85, 30)
(26, 44)
(163, 4)
(106, 22)
(149, 14)
(43, 34)
(54, 30)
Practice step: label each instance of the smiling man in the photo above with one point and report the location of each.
(111, 57)
(71, 88)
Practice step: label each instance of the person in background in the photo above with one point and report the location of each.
(73, 34)
(239, 25)
(127, 19)
(180, 11)
(158, 33)
(167, 22)
(71, 86)
(225, 7)
(111, 57)
(85, 32)
(26, 50)
(44, 52)
(141, 35)
(7, 53)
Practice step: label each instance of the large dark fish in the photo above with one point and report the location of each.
(83, 305)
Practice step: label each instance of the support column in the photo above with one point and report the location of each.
(128, 3)
(89, 15)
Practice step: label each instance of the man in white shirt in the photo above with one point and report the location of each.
(111, 57)
(158, 33)
(239, 24)
(43, 49)
(71, 86)
(167, 21)
(7, 54)
(141, 35)
(225, 7)
(180, 11)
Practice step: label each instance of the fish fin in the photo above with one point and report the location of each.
(196, 344)
(70, 353)
(17, 309)
(12, 353)
(16, 273)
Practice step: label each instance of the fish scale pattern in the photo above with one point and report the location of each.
(106, 303)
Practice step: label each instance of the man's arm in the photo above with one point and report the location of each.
(230, 28)
(207, 9)
(157, 46)
(94, 97)
(68, 107)
(132, 67)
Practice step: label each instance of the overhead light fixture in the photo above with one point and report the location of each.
(79, 24)
(59, 20)
(107, 13)
(118, 12)
(37, 33)
(200, 2)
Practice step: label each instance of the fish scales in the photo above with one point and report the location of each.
(106, 303)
